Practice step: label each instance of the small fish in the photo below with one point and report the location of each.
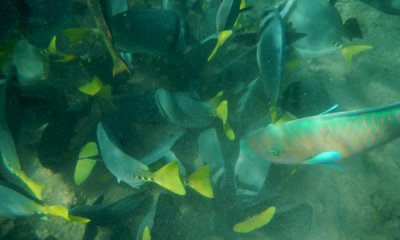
(31, 66)
(15, 204)
(119, 65)
(147, 223)
(8, 152)
(256, 221)
(108, 214)
(58, 55)
(271, 52)
(250, 175)
(127, 169)
(210, 153)
(227, 17)
(322, 25)
(140, 31)
(326, 138)
(387, 6)
(180, 109)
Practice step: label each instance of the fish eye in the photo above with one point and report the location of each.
(274, 151)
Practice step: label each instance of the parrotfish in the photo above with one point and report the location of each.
(325, 138)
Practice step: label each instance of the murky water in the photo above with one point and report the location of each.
(171, 126)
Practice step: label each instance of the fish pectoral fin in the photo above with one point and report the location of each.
(222, 37)
(168, 178)
(331, 109)
(200, 181)
(329, 157)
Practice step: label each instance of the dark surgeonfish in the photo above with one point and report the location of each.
(227, 17)
(150, 31)
(133, 172)
(271, 51)
(186, 112)
(16, 204)
(108, 214)
(386, 6)
(8, 152)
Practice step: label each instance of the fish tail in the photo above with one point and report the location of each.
(34, 187)
(255, 221)
(349, 51)
(119, 66)
(168, 178)
(200, 182)
(146, 234)
(221, 112)
(61, 211)
(62, 57)
(222, 37)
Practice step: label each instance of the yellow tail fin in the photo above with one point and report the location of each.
(61, 211)
(83, 169)
(230, 134)
(146, 234)
(90, 149)
(35, 188)
(119, 67)
(349, 51)
(221, 111)
(168, 178)
(222, 37)
(93, 87)
(200, 182)
(52, 49)
(255, 221)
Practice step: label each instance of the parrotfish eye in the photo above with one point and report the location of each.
(274, 151)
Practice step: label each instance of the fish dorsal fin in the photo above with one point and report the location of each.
(200, 181)
(168, 178)
(331, 109)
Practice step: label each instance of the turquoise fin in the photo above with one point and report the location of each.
(329, 110)
(329, 157)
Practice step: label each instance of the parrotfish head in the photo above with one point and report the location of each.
(268, 144)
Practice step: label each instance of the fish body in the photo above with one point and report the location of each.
(150, 31)
(387, 6)
(227, 17)
(14, 204)
(8, 151)
(133, 172)
(325, 138)
(271, 53)
(322, 24)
